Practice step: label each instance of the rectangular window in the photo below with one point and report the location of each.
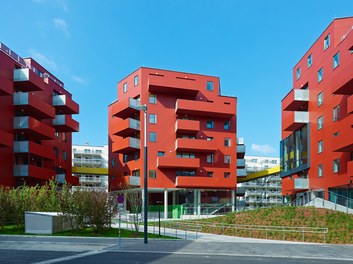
(125, 87)
(227, 159)
(135, 173)
(136, 155)
(336, 60)
(327, 42)
(320, 170)
(113, 162)
(210, 173)
(153, 118)
(152, 99)
(336, 113)
(210, 124)
(185, 173)
(125, 158)
(320, 122)
(210, 158)
(227, 175)
(336, 165)
(152, 174)
(136, 80)
(298, 73)
(320, 75)
(320, 98)
(227, 142)
(226, 125)
(320, 146)
(56, 150)
(209, 138)
(310, 60)
(153, 137)
(210, 86)
(185, 155)
(161, 153)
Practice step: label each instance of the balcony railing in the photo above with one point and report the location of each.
(87, 161)
(34, 127)
(65, 123)
(133, 180)
(241, 172)
(126, 145)
(33, 106)
(65, 105)
(240, 162)
(27, 80)
(90, 179)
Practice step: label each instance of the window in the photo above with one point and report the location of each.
(320, 98)
(320, 170)
(135, 173)
(152, 174)
(310, 60)
(185, 173)
(298, 73)
(210, 173)
(56, 150)
(185, 155)
(327, 42)
(125, 87)
(336, 165)
(153, 136)
(136, 80)
(320, 75)
(210, 124)
(136, 155)
(153, 118)
(227, 175)
(161, 153)
(336, 60)
(227, 159)
(57, 134)
(209, 138)
(113, 162)
(320, 146)
(210, 86)
(336, 113)
(320, 122)
(125, 158)
(152, 99)
(227, 142)
(226, 125)
(210, 158)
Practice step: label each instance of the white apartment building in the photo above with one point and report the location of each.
(263, 192)
(90, 164)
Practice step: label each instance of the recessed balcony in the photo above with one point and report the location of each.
(30, 126)
(295, 100)
(5, 86)
(126, 127)
(206, 109)
(29, 147)
(185, 126)
(240, 151)
(33, 171)
(178, 163)
(33, 106)
(126, 108)
(293, 120)
(132, 180)
(65, 105)
(65, 123)
(6, 139)
(126, 145)
(27, 80)
(195, 145)
(205, 182)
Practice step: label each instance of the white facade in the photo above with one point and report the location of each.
(87, 162)
(262, 192)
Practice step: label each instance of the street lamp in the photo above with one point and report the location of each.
(144, 109)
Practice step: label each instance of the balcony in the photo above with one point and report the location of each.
(33, 106)
(6, 139)
(185, 126)
(84, 179)
(126, 127)
(195, 145)
(132, 180)
(241, 191)
(206, 109)
(34, 148)
(241, 172)
(65, 123)
(27, 80)
(5, 86)
(205, 182)
(344, 141)
(176, 85)
(178, 163)
(240, 151)
(33, 127)
(295, 100)
(240, 163)
(33, 171)
(65, 105)
(126, 108)
(301, 184)
(126, 145)
(292, 121)
(85, 162)
(87, 170)
(342, 79)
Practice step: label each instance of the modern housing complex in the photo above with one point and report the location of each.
(90, 164)
(35, 123)
(190, 137)
(317, 118)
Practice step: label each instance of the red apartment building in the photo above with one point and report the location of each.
(35, 123)
(191, 137)
(317, 118)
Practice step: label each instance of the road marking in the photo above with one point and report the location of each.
(85, 254)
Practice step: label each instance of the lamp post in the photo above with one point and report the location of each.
(144, 109)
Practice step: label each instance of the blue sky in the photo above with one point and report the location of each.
(251, 45)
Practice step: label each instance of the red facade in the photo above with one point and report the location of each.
(191, 132)
(317, 120)
(35, 123)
